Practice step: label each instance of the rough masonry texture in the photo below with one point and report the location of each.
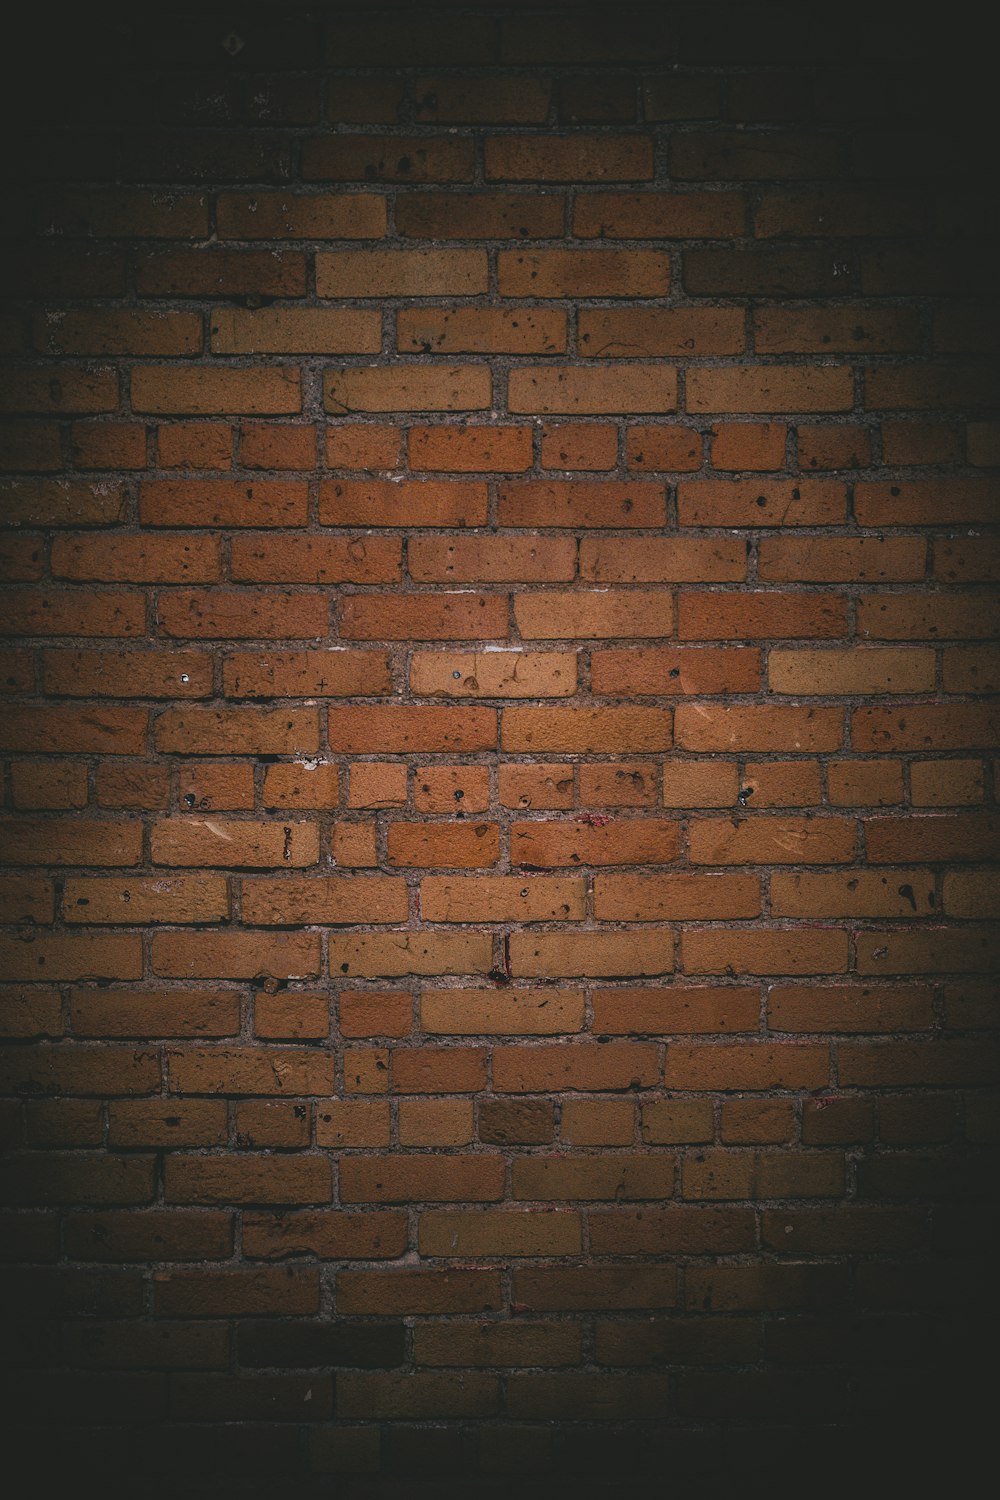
(499, 764)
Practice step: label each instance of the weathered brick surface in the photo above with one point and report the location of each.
(500, 749)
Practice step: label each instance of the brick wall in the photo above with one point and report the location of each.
(499, 769)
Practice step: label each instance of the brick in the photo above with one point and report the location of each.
(375, 1013)
(50, 1069)
(418, 1396)
(117, 732)
(425, 502)
(387, 158)
(569, 158)
(569, 389)
(958, 561)
(675, 1008)
(236, 955)
(638, 898)
(925, 727)
(280, 216)
(148, 559)
(579, 445)
(288, 1017)
(255, 731)
(712, 951)
(147, 1122)
(760, 614)
(800, 559)
(771, 840)
(199, 1293)
(606, 730)
(362, 445)
(188, 614)
(771, 388)
(499, 1232)
(339, 673)
(518, 1012)
(758, 726)
(541, 786)
(353, 1122)
(945, 783)
(53, 784)
(871, 893)
(406, 388)
(64, 612)
(598, 613)
(117, 674)
(586, 503)
(840, 447)
(436, 1122)
(582, 273)
(294, 330)
(61, 502)
(588, 1122)
(462, 216)
(425, 617)
(333, 900)
(37, 841)
(441, 1179)
(394, 955)
(584, 1288)
(680, 215)
(850, 1008)
(926, 617)
(626, 1177)
(481, 330)
(194, 841)
(399, 730)
(170, 389)
(915, 387)
(620, 784)
(662, 670)
(507, 559)
(89, 331)
(194, 445)
(749, 445)
(772, 502)
(625, 841)
(781, 783)
(137, 902)
(399, 273)
(217, 784)
(501, 898)
(59, 389)
(605, 955)
(466, 846)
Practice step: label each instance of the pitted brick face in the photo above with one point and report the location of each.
(499, 763)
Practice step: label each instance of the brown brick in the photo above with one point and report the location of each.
(169, 389)
(399, 273)
(326, 330)
(481, 330)
(569, 158)
(582, 273)
(645, 332)
(566, 388)
(475, 216)
(761, 502)
(771, 388)
(387, 158)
